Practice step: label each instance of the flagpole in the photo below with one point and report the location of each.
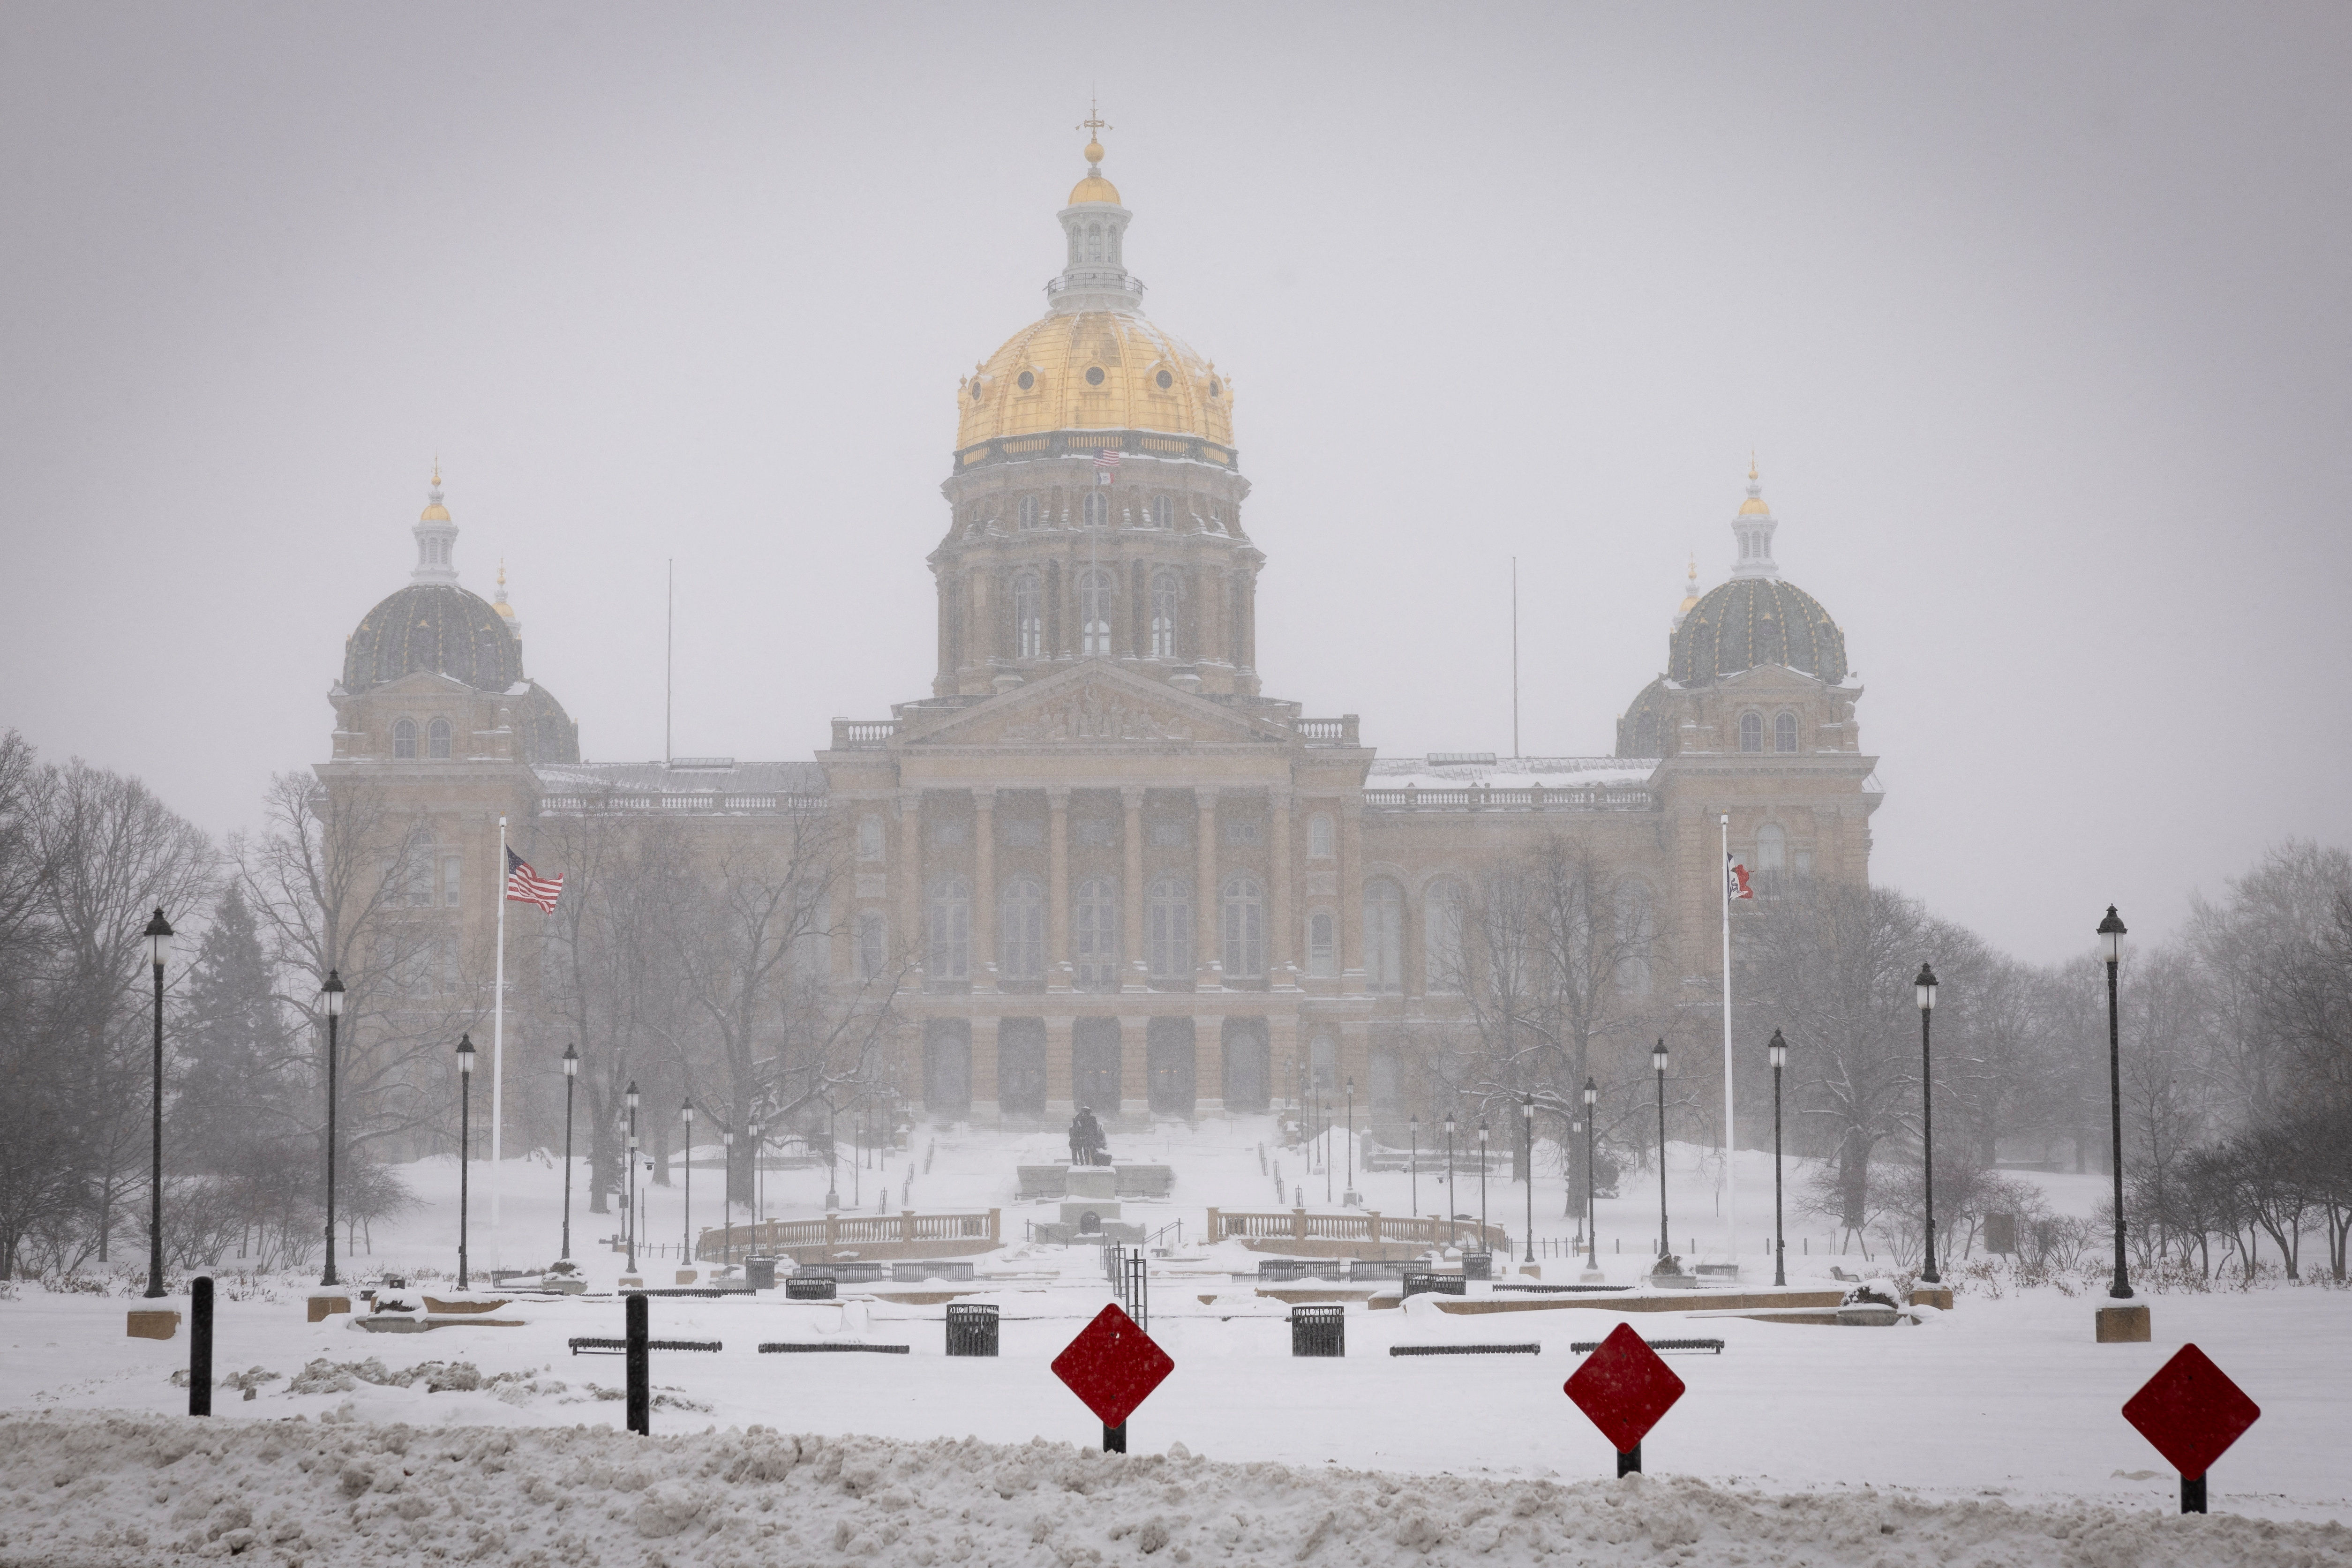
(1730, 1165)
(498, 1045)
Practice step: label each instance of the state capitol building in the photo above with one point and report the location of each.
(1109, 869)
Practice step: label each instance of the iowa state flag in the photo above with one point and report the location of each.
(1735, 880)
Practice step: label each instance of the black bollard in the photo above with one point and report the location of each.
(2192, 1494)
(641, 1404)
(1114, 1438)
(1629, 1460)
(200, 1345)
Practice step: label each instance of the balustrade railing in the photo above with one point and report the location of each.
(981, 1230)
(1598, 797)
(1367, 1227)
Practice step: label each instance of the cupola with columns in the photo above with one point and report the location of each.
(1095, 506)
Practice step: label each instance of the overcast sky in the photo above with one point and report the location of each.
(2036, 318)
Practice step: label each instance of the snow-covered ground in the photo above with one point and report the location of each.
(1991, 1434)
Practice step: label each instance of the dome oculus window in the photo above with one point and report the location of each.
(1165, 380)
(975, 392)
(1093, 375)
(1213, 388)
(1028, 380)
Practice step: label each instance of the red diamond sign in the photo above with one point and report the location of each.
(1625, 1388)
(2191, 1412)
(1113, 1365)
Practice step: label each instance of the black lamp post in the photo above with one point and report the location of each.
(331, 993)
(571, 1080)
(159, 950)
(1592, 1203)
(465, 1143)
(1412, 1166)
(727, 1196)
(1778, 1050)
(1327, 1150)
(1658, 1060)
(1528, 1142)
(686, 1248)
(832, 1161)
(1482, 1184)
(1450, 1205)
(2111, 939)
(629, 1193)
(1924, 987)
(759, 1186)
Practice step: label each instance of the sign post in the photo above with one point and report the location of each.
(2192, 1413)
(1113, 1366)
(1624, 1387)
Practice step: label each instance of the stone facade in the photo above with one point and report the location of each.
(1127, 878)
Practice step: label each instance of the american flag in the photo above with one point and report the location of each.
(525, 885)
(1107, 463)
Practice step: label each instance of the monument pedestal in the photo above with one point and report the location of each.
(2123, 1325)
(1090, 1211)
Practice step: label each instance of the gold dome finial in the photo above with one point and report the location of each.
(1752, 465)
(1755, 501)
(1094, 121)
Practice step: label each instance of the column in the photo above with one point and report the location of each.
(984, 893)
(1351, 895)
(1136, 976)
(1283, 1046)
(1057, 889)
(1208, 955)
(1282, 971)
(1059, 1104)
(983, 1071)
(910, 879)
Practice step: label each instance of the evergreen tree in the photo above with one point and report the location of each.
(233, 1043)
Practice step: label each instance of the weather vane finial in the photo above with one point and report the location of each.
(1094, 124)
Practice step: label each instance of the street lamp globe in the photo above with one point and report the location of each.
(159, 938)
(1778, 1050)
(1924, 989)
(465, 1054)
(2111, 937)
(571, 1062)
(686, 1110)
(1658, 1058)
(332, 994)
(630, 1094)
(1592, 1097)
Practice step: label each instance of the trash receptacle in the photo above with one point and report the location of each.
(760, 1272)
(1433, 1284)
(971, 1329)
(806, 1287)
(1318, 1330)
(1477, 1265)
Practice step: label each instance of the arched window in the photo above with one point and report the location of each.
(403, 739)
(1645, 735)
(1097, 588)
(1021, 930)
(1323, 1065)
(1095, 509)
(437, 738)
(1245, 929)
(1163, 614)
(1168, 939)
(950, 931)
(1784, 731)
(1383, 935)
(1771, 857)
(873, 946)
(1751, 732)
(1163, 511)
(1322, 944)
(869, 838)
(1318, 837)
(1028, 616)
(1441, 934)
(1094, 242)
(1094, 937)
(1031, 514)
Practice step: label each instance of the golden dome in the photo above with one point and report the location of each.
(1094, 369)
(1752, 506)
(435, 512)
(1093, 188)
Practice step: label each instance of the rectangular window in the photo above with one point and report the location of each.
(950, 834)
(451, 866)
(1322, 950)
(1243, 830)
(873, 946)
(1021, 832)
(869, 838)
(1095, 832)
(1168, 833)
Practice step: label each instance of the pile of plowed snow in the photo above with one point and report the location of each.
(86, 1489)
